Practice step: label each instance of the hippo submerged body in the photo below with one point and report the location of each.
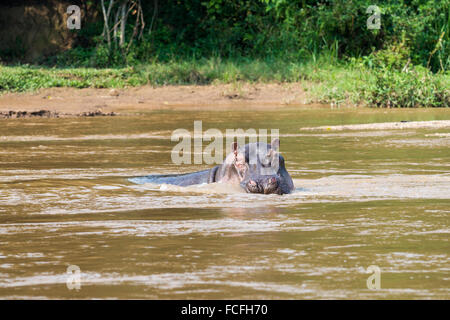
(256, 167)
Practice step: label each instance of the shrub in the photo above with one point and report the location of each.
(415, 87)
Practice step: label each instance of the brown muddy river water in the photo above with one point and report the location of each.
(362, 198)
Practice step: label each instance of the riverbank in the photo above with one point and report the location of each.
(215, 81)
(89, 101)
(92, 102)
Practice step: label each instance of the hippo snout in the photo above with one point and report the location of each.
(266, 185)
(254, 186)
(270, 185)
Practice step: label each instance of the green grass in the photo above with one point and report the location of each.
(325, 79)
(203, 71)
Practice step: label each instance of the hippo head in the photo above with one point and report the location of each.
(259, 168)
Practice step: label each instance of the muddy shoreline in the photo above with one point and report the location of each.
(11, 114)
(101, 102)
(59, 102)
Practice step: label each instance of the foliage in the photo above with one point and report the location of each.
(325, 42)
(412, 88)
(295, 30)
(26, 78)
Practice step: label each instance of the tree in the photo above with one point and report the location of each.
(115, 17)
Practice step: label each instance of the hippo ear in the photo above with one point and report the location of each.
(275, 145)
(234, 147)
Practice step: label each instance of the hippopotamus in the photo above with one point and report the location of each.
(257, 167)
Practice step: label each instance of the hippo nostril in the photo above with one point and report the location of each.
(271, 185)
(252, 183)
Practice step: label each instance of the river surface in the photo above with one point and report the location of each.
(363, 198)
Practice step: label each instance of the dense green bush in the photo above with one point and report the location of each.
(416, 87)
(296, 30)
(398, 83)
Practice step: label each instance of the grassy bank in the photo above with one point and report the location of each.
(325, 79)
